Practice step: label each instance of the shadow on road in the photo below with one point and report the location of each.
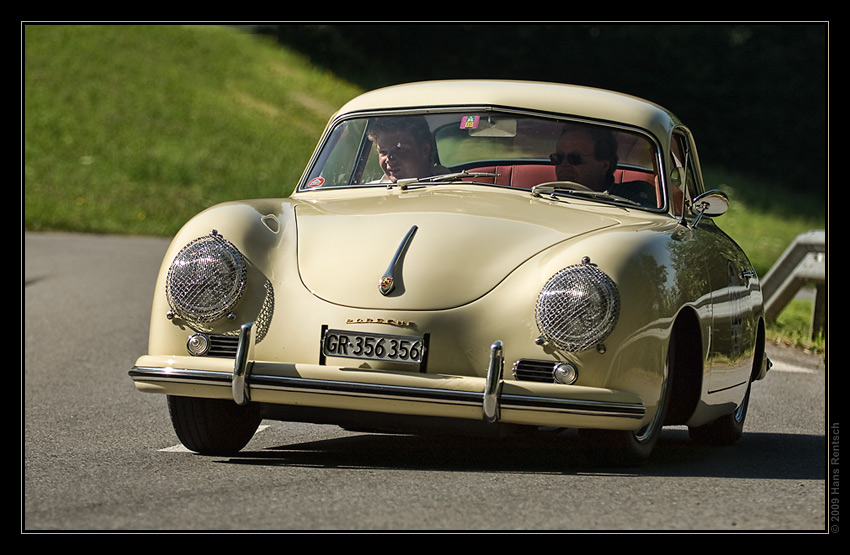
(756, 455)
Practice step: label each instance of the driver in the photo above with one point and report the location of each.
(588, 156)
(405, 148)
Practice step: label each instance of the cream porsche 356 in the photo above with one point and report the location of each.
(467, 256)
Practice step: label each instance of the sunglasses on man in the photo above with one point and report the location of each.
(573, 158)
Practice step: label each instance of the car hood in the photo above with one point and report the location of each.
(465, 243)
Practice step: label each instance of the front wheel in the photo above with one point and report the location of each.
(726, 430)
(213, 426)
(631, 448)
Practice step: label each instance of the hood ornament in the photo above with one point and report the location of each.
(388, 280)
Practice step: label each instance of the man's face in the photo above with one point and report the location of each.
(401, 157)
(578, 164)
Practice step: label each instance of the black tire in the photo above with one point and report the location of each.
(631, 448)
(213, 426)
(726, 430)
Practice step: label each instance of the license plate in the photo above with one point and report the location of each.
(373, 346)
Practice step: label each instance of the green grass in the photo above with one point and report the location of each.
(793, 327)
(132, 129)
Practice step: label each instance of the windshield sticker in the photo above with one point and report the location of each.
(469, 122)
(317, 182)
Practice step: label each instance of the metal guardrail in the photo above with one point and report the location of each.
(802, 263)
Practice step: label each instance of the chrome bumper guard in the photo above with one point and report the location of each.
(493, 384)
(491, 401)
(239, 385)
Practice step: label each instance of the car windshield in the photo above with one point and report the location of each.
(497, 149)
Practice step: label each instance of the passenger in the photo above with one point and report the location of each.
(588, 156)
(406, 148)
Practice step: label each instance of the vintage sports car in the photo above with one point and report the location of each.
(469, 257)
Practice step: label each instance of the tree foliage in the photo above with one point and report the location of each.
(754, 95)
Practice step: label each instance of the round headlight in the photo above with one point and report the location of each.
(577, 307)
(206, 279)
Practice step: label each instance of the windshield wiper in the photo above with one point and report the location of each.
(574, 189)
(444, 178)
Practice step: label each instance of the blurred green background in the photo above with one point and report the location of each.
(132, 129)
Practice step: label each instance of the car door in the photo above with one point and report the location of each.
(730, 276)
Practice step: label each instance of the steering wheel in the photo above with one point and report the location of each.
(571, 185)
(555, 185)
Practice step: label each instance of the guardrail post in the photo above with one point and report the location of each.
(819, 310)
(802, 263)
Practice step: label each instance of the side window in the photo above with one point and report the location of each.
(337, 162)
(684, 185)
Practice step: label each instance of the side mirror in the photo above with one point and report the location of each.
(710, 203)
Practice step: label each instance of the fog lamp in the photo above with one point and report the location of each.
(198, 344)
(565, 373)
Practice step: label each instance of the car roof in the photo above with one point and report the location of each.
(553, 98)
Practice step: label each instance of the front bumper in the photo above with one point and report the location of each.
(492, 398)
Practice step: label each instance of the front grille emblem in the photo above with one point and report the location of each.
(387, 285)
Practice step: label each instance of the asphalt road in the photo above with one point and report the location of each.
(99, 456)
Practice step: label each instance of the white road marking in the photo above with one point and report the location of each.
(783, 367)
(175, 449)
(180, 449)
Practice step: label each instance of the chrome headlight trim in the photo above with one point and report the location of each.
(578, 307)
(206, 279)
